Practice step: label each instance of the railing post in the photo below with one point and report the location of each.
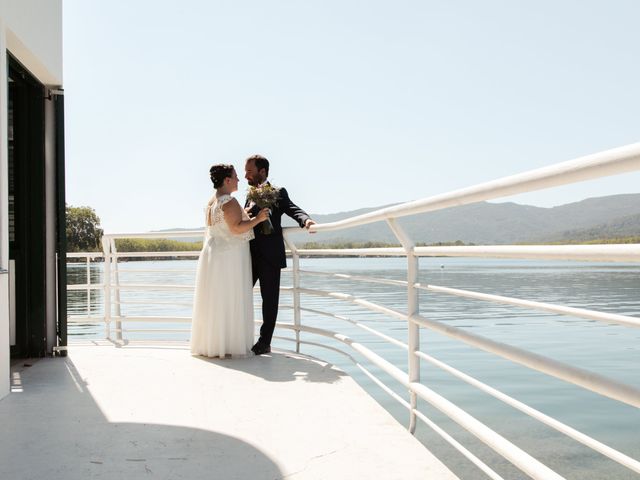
(88, 286)
(296, 288)
(107, 286)
(296, 297)
(112, 244)
(413, 308)
(413, 343)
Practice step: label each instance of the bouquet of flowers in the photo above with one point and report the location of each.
(264, 196)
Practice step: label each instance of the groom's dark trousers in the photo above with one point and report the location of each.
(268, 258)
(270, 292)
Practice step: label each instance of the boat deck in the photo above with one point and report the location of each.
(154, 411)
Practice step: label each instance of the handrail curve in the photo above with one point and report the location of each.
(508, 450)
(578, 376)
(586, 440)
(584, 378)
(597, 165)
(448, 438)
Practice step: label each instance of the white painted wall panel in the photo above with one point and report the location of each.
(34, 35)
(4, 218)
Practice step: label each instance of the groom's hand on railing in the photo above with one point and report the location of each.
(308, 224)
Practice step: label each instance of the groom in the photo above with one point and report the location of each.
(267, 250)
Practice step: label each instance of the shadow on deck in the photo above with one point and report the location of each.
(154, 411)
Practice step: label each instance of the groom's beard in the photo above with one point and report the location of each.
(254, 182)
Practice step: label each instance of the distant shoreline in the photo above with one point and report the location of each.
(165, 245)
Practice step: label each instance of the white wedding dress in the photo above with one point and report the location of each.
(223, 302)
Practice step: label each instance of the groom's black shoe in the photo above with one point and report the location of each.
(261, 348)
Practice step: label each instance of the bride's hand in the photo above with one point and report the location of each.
(262, 215)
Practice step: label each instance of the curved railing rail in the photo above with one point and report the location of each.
(603, 164)
(611, 162)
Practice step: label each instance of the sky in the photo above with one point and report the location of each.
(355, 103)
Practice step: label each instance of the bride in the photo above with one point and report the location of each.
(223, 303)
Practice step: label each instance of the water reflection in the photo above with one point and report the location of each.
(86, 302)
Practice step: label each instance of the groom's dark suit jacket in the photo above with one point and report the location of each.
(271, 247)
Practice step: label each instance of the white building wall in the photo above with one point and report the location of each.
(32, 31)
(4, 221)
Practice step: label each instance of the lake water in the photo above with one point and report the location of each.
(611, 350)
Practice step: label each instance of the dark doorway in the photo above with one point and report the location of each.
(27, 225)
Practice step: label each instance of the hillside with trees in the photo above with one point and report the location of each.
(83, 229)
(484, 223)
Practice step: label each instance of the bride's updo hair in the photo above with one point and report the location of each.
(219, 172)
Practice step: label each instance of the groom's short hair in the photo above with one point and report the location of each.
(260, 162)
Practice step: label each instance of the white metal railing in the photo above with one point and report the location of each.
(611, 162)
(88, 287)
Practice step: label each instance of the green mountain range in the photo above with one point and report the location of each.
(499, 223)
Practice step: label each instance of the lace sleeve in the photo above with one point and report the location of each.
(222, 199)
(211, 215)
(218, 222)
(214, 209)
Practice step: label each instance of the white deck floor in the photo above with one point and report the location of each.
(154, 411)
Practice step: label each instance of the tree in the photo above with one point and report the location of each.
(83, 229)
